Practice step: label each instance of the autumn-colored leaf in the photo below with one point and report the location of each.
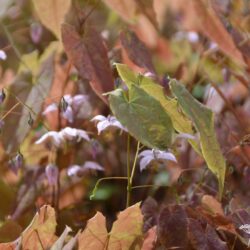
(172, 227)
(210, 24)
(126, 232)
(136, 50)
(150, 239)
(40, 233)
(125, 8)
(210, 203)
(52, 13)
(89, 55)
(95, 235)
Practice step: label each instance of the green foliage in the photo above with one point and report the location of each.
(203, 119)
(143, 116)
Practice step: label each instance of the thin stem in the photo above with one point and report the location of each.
(9, 111)
(128, 172)
(102, 179)
(134, 165)
(146, 186)
(131, 176)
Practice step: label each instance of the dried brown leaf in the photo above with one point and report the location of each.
(95, 235)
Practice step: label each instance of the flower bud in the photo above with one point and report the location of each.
(52, 173)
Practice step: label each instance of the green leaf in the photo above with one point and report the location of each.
(180, 122)
(203, 119)
(143, 116)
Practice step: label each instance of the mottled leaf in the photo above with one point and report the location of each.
(89, 55)
(52, 13)
(203, 119)
(126, 231)
(172, 227)
(40, 233)
(143, 116)
(95, 235)
(136, 50)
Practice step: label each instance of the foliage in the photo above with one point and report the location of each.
(124, 124)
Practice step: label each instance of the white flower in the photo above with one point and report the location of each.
(105, 122)
(51, 137)
(3, 55)
(73, 133)
(149, 155)
(76, 106)
(57, 139)
(75, 170)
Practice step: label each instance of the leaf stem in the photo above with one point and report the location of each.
(102, 179)
(131, 176)
(128, 172)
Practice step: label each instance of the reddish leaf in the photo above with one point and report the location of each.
(136, 50)
(150, 239)
(211, 204)
(172, 227)
(149, 210)
(210, 24)
(213, 240)
(89, 55)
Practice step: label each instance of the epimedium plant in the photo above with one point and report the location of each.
(152, 118)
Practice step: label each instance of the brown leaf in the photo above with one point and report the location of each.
(95, 235)
(126, 232)
(213, 240)
(10, 230)
(150, 239)
(125, 8)
(197, 235)
(136, 50)
(89, 55)
(172, 227)
(210, 25)
(146, 7)
(51, 13)
(212, 205)
(149, 210)
(40, 232)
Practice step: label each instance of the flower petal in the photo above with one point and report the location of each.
(146, 152)
(3, 55)
(93, 165)
(166, 156)
(144, 162)
(98, 118)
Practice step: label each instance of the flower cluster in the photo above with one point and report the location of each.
(71, 107)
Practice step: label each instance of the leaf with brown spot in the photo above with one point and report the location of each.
(89, 55)
(136, 50)
(95, 235)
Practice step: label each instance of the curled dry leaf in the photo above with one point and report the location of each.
(89, 55)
